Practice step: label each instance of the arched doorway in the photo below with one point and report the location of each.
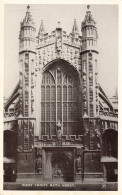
(110, 154)
(62, 167)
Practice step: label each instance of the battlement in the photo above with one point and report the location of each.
(47, 39)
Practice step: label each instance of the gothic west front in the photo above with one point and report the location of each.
(62, 126)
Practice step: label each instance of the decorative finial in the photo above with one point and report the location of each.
(59, 24)
(75, 27)
(88, 6)
(41, 29)
(28, 7)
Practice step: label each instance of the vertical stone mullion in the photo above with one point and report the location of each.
(56, 96)
(45, 109)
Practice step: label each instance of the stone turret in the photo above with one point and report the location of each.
(26, 120)
(27, 63)
(89, 32)
(89, 55)
(27, 33)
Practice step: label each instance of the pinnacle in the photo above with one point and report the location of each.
(75, 27)
(41, 29)
(28, 7)
(88, 6)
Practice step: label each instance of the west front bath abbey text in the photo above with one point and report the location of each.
(59, 125)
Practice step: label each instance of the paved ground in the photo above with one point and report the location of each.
(38, 181)
(87, 185)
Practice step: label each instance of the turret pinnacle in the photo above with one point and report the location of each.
(28, 7)
(59, 25)
(88, 6)
(75, 28)
(41, 29)
(89, 20)
(28, 21)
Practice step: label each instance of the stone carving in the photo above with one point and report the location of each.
(84, 69)
(84, 97)
(96, 79)
(98, 145)
(92, 135)
(84, 77)
(20, 148)
(92, 103)
(86, 148)
(59, 130)
(86, 132)
(98, 132)
(27, 61)
(38, 164)
(20, 132)
(91, 88)
(20, 91)
(90, 75)
(85, 104)
(26, 137)
(58, 43)
(78, 163)
(84, 89)
(31, 132)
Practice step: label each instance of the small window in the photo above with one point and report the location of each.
(90, 56)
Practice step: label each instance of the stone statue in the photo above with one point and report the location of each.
(59, 130)
(58, 43)
(78, 164)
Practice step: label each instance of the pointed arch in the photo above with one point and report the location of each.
(59, 99)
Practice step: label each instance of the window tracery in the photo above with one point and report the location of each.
(59, 101)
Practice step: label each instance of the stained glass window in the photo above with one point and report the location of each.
(53, 112)
(53, 93)
(47, 112)
(70, 93)
(65, 128)
(47, 128)
(65, 111)
(70, 128)
(59, 77)
(70, 111)
(74, 111)
(75, 93)
(43, 93)
(43, 80)
(58, 93)
(59, 96)
(64, 93)
(53, 128)
(47, 93)
(43, 112)
(59, 111)
(43, 128)
(70, 80)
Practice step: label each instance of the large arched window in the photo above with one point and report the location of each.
(59, 100)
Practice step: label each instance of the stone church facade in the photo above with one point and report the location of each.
(61, 115)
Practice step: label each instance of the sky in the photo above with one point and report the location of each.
(106, 17)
